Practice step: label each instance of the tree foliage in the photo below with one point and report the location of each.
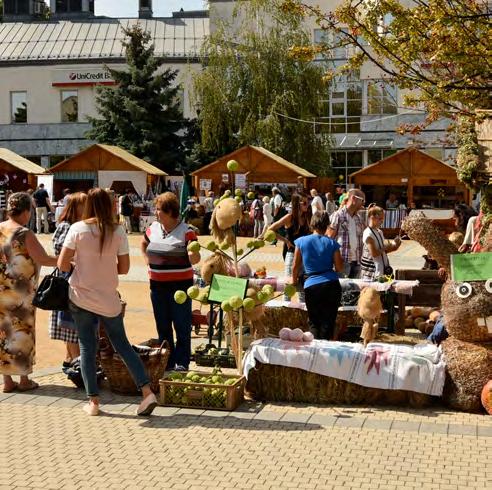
(252, 91)
(142, 112)
(440, 51)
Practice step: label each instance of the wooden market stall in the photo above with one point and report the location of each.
(105, 166)
(16, 172)
(259, 169)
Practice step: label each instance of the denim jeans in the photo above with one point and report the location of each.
(87, 327)
(166, 313)
(289, 262)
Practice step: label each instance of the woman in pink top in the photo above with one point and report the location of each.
(99, 249)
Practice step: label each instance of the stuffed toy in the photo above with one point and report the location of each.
(369, 309)
(226, 214)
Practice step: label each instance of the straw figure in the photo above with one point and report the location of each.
(468, 360)
(218, 263)
(226, 214)
(369, 309)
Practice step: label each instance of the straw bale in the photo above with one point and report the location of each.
(421, 229)
(468, 369)
(268, 382)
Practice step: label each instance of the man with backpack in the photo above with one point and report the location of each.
(256, 214)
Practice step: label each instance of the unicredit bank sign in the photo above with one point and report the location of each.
(65, 78)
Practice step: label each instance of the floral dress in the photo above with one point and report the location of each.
(18, 280)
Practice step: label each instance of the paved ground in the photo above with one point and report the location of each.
(49, 443)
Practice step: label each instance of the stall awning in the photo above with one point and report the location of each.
(10, 161)
(100, 157)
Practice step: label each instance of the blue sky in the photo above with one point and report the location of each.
(129, 8)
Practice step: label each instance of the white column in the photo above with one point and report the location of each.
(53, 6)
(85, 5)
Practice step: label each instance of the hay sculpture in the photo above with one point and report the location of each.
(468, 360)
(369, 308)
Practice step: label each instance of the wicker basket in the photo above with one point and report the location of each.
(203, 395)
(119, 378)
(212, 361)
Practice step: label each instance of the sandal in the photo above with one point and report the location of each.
(32, 385)
(12, 388)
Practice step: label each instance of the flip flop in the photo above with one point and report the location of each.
(32, 385)
(14, 387)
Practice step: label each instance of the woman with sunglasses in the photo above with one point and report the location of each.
(296, 225)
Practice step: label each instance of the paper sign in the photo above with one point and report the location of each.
(225, 177)
(240, 181)
(471, 267)
(223, 287)
(205, 184)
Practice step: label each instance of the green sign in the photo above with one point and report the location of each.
(223, 287)
(471, 267)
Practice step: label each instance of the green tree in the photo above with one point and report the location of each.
(252, 91)
(142, 112)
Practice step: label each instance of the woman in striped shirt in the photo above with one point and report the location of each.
(164, 247)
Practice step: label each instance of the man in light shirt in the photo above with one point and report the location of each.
(347, 228)
(316, 203)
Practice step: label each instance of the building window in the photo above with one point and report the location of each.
(69, 106)
(345, 162)
(18, 103)
(377, 154)
(381, 98)
(69, 6)
(16, 7)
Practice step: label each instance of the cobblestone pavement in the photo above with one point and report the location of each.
(49, 443)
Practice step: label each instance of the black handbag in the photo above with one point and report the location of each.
(52, 293)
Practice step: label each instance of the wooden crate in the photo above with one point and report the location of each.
(203, 395)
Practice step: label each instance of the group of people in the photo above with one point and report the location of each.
(92, 249)
(319, 247)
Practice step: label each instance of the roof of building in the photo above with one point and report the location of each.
(18, 162)
(92, 158)
(259, 149)
(97, 38)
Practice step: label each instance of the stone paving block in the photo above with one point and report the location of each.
(68, 402)
(21, 398)
(483, 431)
(355, 422)
(266, 415)
(427, 428)
(216, 413)
(324, 420)
(44, 401)
(114, 407)
(242, 415)
(6, 396)
(196, 412)
(405, 426)
(299, 418)
(377, 424)
(165, 411)
(462, 430)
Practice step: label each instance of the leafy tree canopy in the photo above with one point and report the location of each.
(142, 112)
(440, 51)
(252, 91)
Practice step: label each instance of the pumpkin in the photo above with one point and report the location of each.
(487, 397)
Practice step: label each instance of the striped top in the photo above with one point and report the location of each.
(167, 253)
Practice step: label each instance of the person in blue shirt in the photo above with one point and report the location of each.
(320, 258)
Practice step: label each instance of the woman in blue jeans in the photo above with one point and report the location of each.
(164, 247)
(320, 257)
(99, 250)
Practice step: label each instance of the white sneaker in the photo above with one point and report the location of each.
(147, 406)
(91, 409)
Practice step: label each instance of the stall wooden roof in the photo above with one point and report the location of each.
(105, 157)
(13, 162)
(253, 159)
(411, 164)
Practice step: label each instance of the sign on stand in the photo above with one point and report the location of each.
(224, 287)
(240, 181)
(205, 184)
(471, 267)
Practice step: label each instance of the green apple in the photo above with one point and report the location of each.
(251, 244)
(270, 235)
(251, 195)
(232, 166)
(226, 306)
(249, 304)
(262, 297)
(193, 292)
(224, 245)
(193, 246)
(268, 289)
(227, 193)
(212, 246)
(289, 290)
(239, 252)
(239, 199)
(238, 192)
(259, 243)
(216, 201)
(236, 302)
(180, 297)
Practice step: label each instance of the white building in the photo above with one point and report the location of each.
(49, 71)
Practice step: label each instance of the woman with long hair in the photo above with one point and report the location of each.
(61, 325)
(99, 249)
(21, 254)
(296, 225)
